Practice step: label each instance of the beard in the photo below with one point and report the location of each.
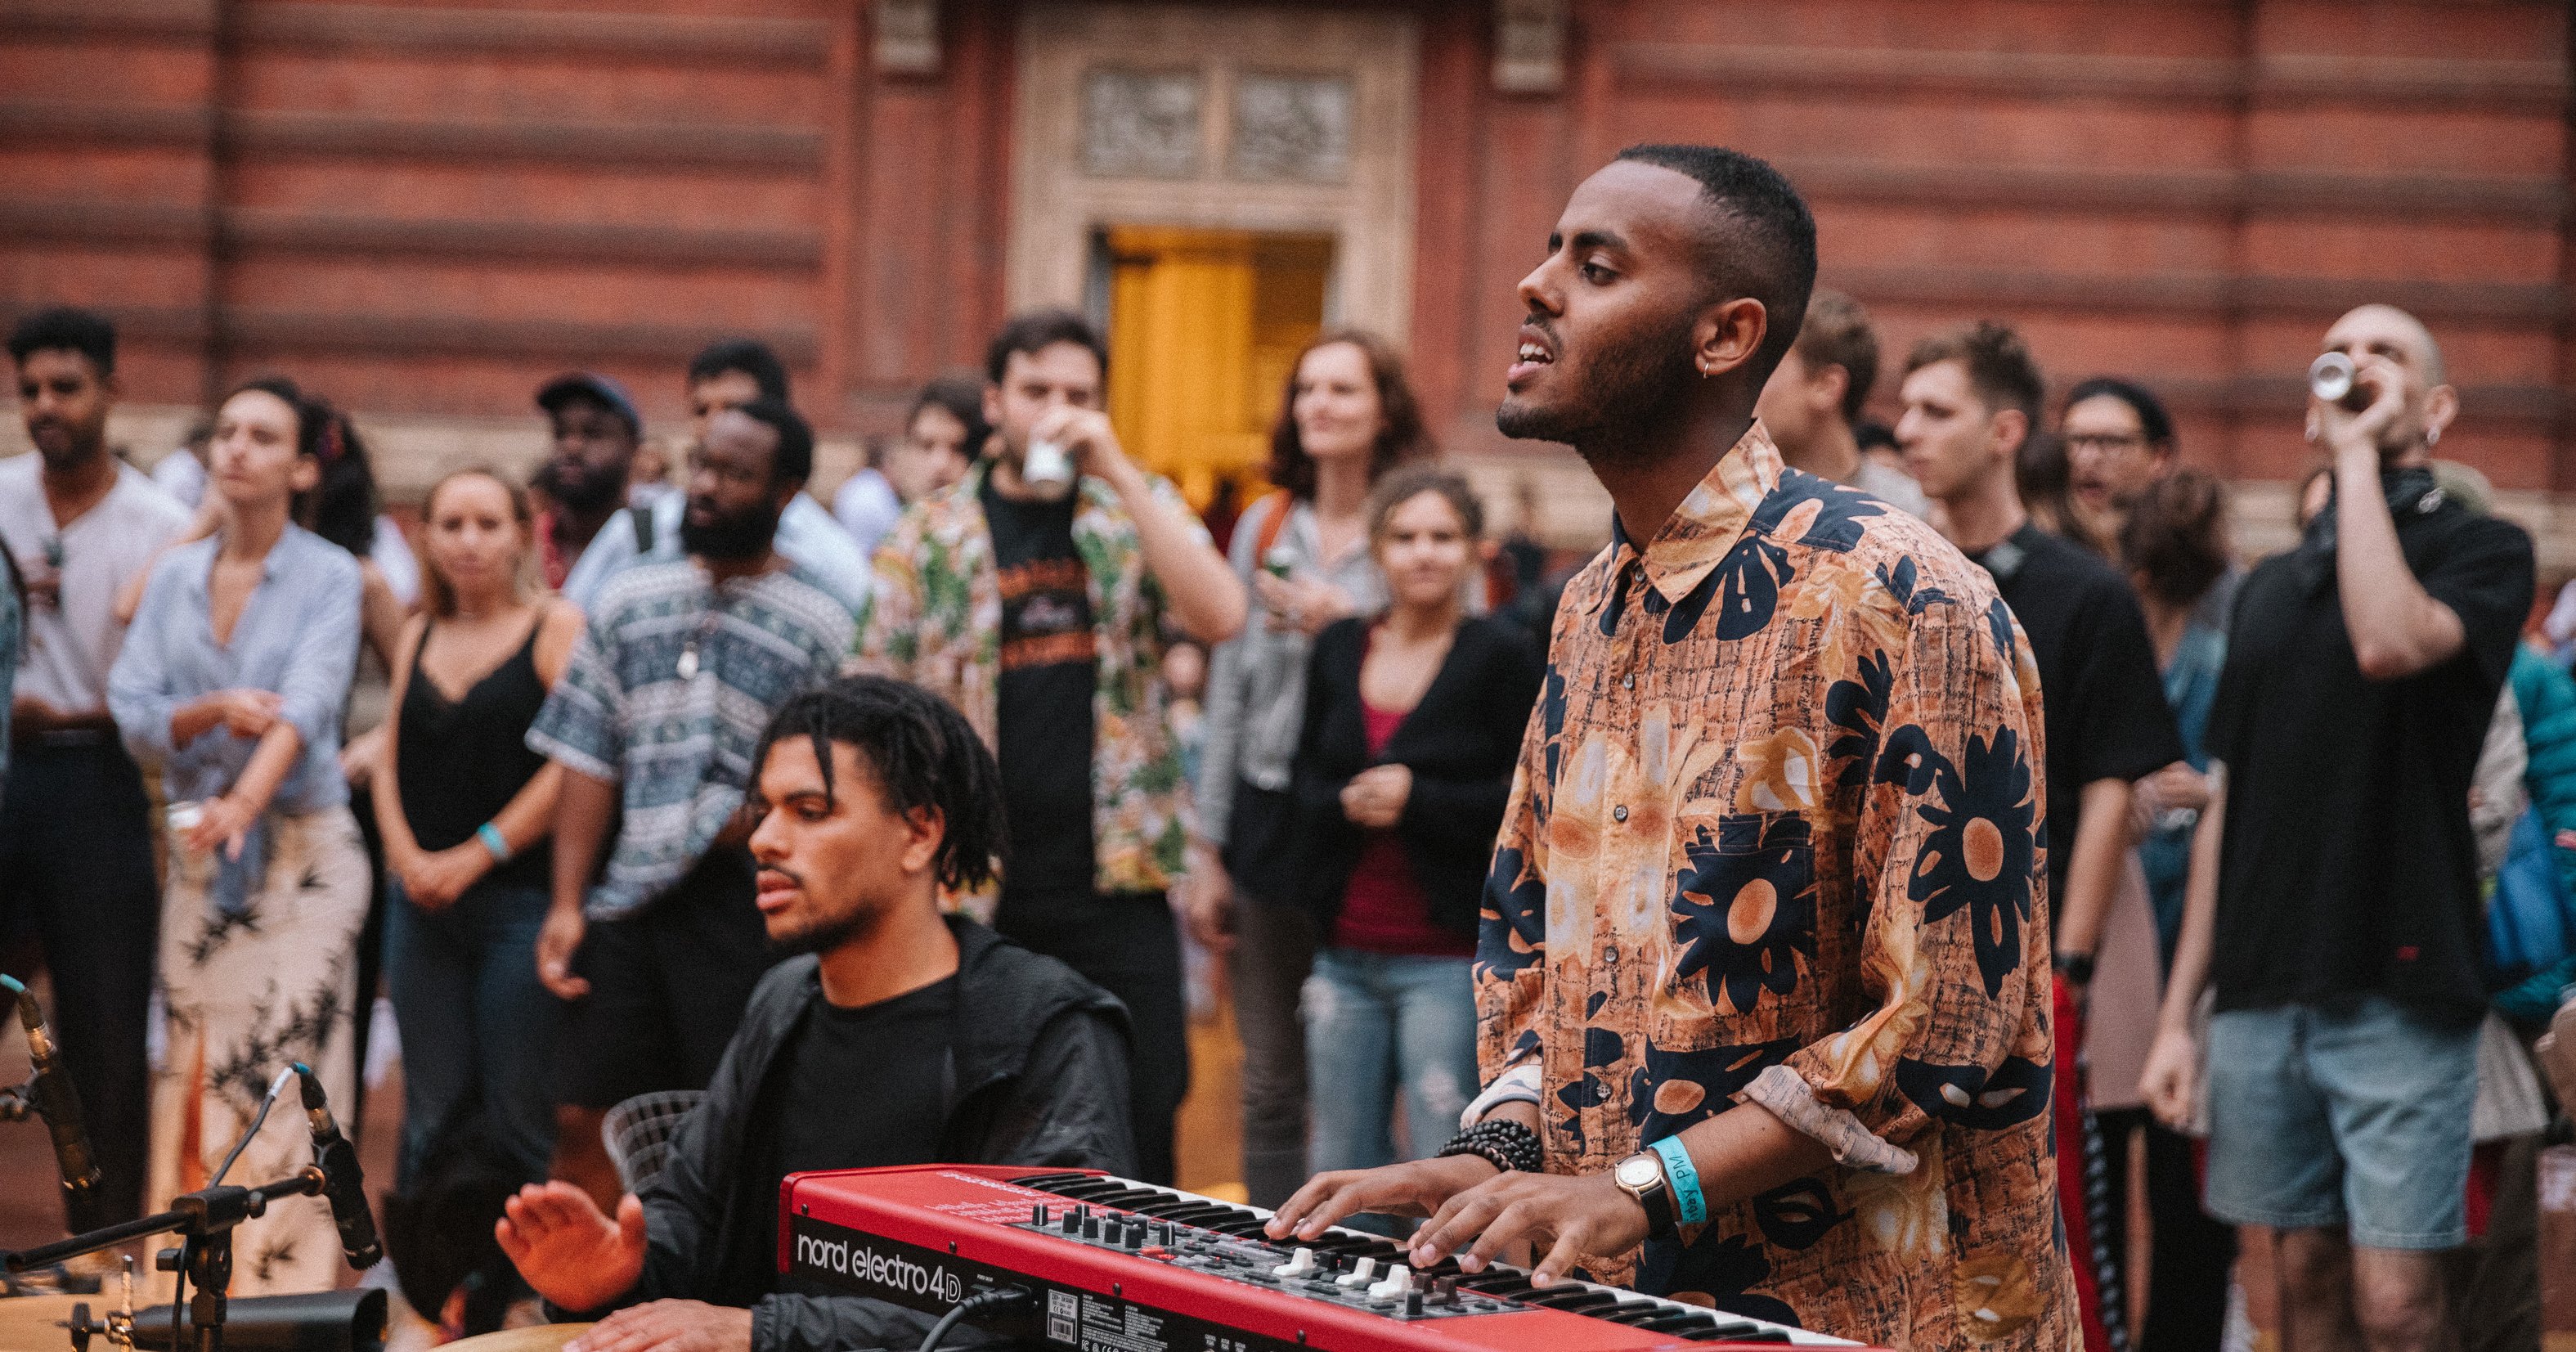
(1625, 394)
(822, 935)
(64, 446)
(582, 488)
(745, 534)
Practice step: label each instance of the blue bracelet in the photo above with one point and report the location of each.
(1688, 1201)
(493, 841)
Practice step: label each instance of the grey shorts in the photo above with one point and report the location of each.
(2351, 1116)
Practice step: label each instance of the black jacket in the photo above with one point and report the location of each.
(1461, 742)
(1037, 1075)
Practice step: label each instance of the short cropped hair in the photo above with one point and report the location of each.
(923, 754)
(1764, 245)
(86, 332)
(1037, 330)
(1838, 333)
(1999, 366)
(750, 356)
(793, 461)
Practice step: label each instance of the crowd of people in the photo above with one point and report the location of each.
(1948, 799)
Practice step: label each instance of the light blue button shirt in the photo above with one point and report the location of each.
(808, 537)
(297, 636)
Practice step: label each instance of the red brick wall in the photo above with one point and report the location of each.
(2188, 192)
(425, 209)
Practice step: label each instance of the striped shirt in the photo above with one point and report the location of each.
(666, 696)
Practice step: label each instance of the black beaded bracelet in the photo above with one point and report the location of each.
(1506, 1145)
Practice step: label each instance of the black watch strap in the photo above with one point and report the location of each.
(1661, 1220)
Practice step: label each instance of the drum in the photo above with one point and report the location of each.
(533, 1338)
(35, 1323)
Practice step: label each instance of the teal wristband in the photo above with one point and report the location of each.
(493, 841)
(1688, 1201)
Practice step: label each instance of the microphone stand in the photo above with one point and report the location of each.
(204, 1220)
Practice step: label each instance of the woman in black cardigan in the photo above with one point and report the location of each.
(1413, 724)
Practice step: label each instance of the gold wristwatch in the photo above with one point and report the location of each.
(1641, 1176)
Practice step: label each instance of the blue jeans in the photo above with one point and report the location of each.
(477, 1026)
(1380, 1025)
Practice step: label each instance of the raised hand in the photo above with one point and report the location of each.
(569, 1251)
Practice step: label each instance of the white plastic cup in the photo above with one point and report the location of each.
(1047, 469)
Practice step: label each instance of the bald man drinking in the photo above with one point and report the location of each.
(2333, 901)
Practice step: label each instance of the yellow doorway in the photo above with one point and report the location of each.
(1203, 328)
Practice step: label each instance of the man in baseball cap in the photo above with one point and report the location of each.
(596, 430)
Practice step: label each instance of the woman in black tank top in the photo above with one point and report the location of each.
(465, 808)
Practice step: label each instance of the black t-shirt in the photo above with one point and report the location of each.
(2099, 689)
(1050, 660)
(2349, 867)
(861, 1088)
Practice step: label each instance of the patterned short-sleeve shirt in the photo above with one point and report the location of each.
(934, 618)
(666, 695)
(1776, 837)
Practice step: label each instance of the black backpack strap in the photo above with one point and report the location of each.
(642, 517)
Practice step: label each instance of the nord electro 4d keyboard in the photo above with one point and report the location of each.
(1116, 1266)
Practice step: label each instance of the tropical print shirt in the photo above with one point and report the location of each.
(934, 618)
(1775, 836)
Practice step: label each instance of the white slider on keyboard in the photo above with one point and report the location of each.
(1298, 1265)
(1399, 1279)
(1359, 1274)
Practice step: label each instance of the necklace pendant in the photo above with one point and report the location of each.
(689, 663)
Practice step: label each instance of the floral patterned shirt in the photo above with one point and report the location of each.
(935, 618)
(1775, 836)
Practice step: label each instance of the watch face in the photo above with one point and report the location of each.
(1639, 1171)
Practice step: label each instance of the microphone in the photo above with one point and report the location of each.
(343, 1185)
(51, 1093)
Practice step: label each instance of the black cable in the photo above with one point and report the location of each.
(982, 1302)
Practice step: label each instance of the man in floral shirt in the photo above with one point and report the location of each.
(1037, 607)
(1770, 900)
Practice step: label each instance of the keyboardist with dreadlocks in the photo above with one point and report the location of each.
(1763, 977)
(903, 1037)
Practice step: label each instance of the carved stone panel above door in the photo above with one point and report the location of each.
(1141, 123)
(1291, 128)
(1206, 117)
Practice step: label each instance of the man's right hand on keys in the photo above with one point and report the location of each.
(1413, 1188)
(569, 1251)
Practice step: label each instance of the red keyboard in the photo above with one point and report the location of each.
(1117, 1266)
